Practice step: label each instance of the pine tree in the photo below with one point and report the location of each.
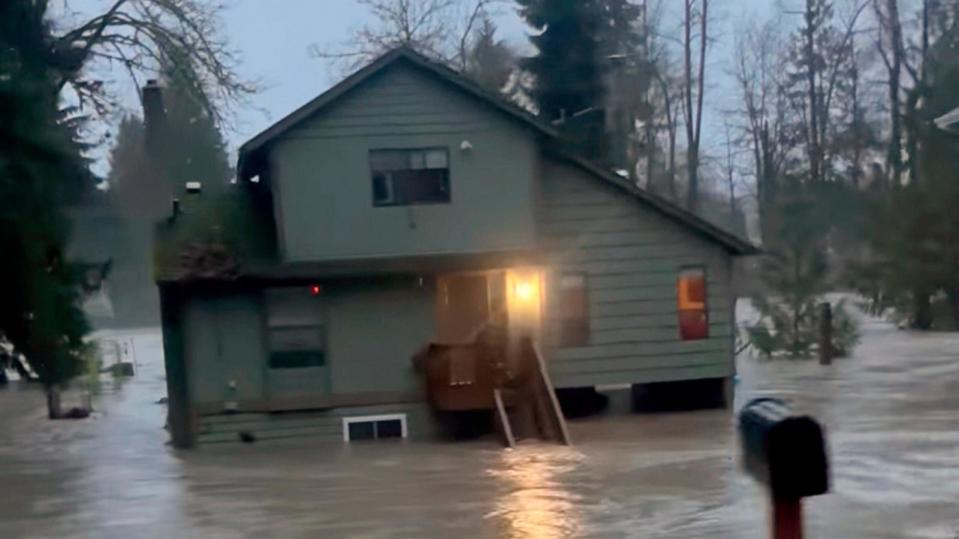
(568, 85)
(193, 148)
(40, 167)
(794, 273)
(490, 61)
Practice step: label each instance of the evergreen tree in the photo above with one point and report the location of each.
(192, 148)
(914, 229)
(568, 84)
(490, 61)
(794, 273)
(40, 167)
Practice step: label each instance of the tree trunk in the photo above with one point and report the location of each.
(921, 311)
(694, 115)
(53, 402)
(895, 72)
(812, 148)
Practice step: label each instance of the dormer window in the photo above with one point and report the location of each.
(408, 177)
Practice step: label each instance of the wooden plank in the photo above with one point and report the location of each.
(641, 376)
(314, 402)
(557, 412)
(664, 292)
(634, 334)
(507, 429)
(622, 364)
(643, 349)
(612, 323)
(632, 266)
(657, 307)
(663, 278)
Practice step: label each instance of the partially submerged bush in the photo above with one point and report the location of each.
(792, 330)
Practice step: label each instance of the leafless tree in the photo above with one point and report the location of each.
(139, 36)
(758, 66)
(439, 29)
(891, 49)
(694, 89)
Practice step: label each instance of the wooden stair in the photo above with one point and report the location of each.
(529, 408)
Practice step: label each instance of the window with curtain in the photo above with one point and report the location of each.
(691, 292)
(408, 177)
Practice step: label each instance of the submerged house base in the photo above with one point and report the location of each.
(405, 208)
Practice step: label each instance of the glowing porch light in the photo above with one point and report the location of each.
(524, 290)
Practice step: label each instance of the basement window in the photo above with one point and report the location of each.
(408, 177)
(691, 295)
(374, 427)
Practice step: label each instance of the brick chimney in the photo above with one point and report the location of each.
(154, 116)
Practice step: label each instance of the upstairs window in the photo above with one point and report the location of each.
(408, 177)
(691, 292)
(295, 327)
(573, 310)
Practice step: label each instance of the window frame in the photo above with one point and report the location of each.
(705, 303)
(319, 324)
(587, 333)
(391, 186)
(349, 420)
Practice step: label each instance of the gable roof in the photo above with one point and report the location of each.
(729, 241)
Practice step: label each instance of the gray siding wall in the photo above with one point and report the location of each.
(323, 426)
(224, 341)
(373, 329)
(631, 256)
(324, 191)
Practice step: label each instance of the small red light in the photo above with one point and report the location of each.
(316, 290)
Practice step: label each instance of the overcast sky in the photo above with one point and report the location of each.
(274, 44)
(273, 38)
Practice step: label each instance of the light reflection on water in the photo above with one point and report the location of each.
(889, 412)
(536, 503)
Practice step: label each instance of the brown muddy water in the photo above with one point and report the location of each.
(890, 413)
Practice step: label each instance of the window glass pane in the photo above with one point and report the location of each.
(436, 159)
(297, 359)
(386, 160)
(296, 338)
(361, 430)
(390, 428)
(403, 177)
(417, 160)
(693, 325)
(691, 289)
(382, 188)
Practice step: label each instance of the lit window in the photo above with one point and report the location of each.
(407, 177)
(573, 307)
(691, 292)
(295, 328)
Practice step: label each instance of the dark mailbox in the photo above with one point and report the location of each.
(784, 451)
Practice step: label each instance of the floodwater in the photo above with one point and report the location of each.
(890, 413)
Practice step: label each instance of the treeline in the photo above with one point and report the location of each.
(828, 116)
(53, 104)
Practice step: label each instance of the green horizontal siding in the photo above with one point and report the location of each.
(320, 427)
(631, 256)
(321, 174)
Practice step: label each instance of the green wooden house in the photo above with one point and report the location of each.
(406, 206)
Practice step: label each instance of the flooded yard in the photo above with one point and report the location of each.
(890, 414)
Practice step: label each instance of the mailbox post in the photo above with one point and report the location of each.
(787, 453)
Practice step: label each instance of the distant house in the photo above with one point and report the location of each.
(406, 206)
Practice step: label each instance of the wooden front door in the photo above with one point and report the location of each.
(463, 305)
